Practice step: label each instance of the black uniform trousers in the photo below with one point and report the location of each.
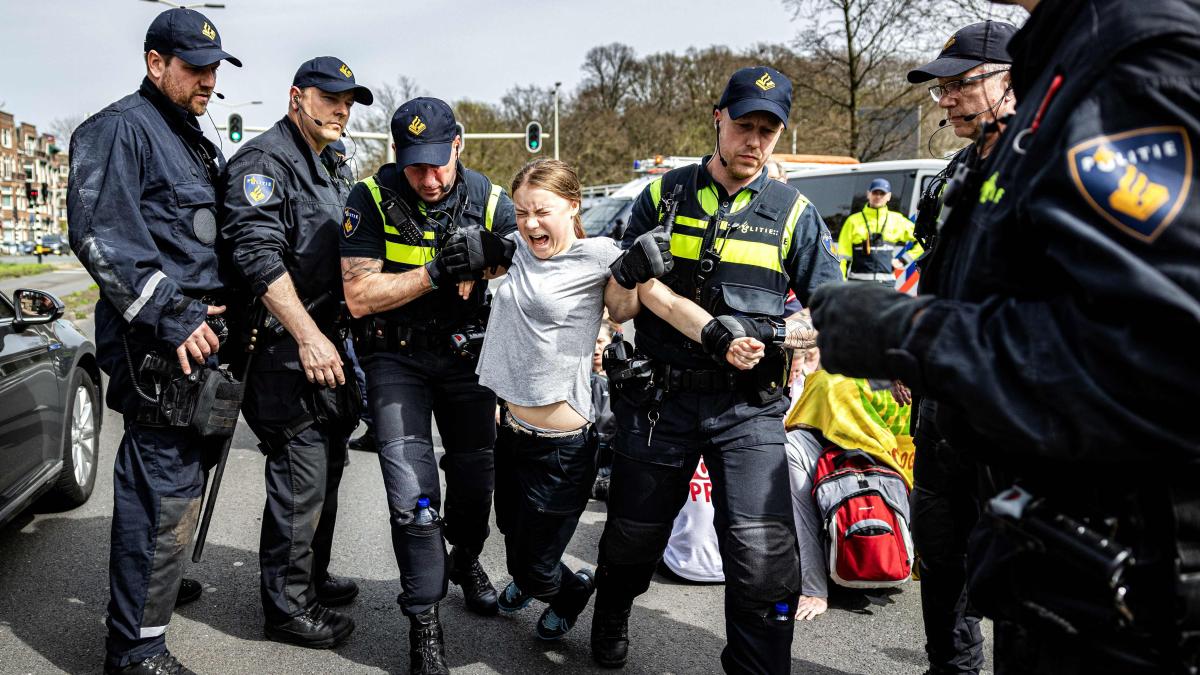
(302, 473)
(945, 507)
(158, 480)
(743, 447)
(405, 390)
(543, 483)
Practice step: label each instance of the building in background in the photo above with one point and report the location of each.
(33, 184)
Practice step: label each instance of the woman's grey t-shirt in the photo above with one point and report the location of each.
(543, 325)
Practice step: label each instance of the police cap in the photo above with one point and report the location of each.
(189, 35)
(758, 88)
(331, 74)
(424, 132)
(983, 42)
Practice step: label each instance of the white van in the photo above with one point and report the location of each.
(838, 191)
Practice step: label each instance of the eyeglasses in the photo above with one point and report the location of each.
(953, 88)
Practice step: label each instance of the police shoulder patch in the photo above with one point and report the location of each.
(350, 220)
(257, 188)
(1138, 180)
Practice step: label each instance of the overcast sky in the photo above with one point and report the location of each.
(63, 57)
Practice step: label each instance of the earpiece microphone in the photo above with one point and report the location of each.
(296, 100)
(943, 122)
(219, 95)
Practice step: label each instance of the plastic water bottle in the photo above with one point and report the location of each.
(425, 513)
(781, 614)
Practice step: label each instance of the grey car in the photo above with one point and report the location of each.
(50, 405)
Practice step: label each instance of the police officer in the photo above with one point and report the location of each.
(282, 215)
(142, 210)
(973, 90)
(740, 241)
(395, 226)
(1059, 342)
(872, 237)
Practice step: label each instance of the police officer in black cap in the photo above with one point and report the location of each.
(141, 204)
(740, 242)
(973, 90)
(418, 341)
(1059, 341)
(282, 215)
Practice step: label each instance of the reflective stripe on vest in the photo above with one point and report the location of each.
(729, 247)
(407, 254)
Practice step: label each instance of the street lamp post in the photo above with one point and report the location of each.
(193, 5)
(556, 86)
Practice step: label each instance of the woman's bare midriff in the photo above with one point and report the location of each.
(557, 416)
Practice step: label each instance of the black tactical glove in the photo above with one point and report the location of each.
(473, 250)
(861, 326)
(720, 332)
(438, 274)
(648, 258)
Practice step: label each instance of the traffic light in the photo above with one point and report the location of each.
(533, 137)
(462, 136)
(235, 128)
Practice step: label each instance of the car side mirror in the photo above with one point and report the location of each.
(35, 307)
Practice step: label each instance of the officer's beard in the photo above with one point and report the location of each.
(184, 94)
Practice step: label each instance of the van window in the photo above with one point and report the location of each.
(837, 196)
(599, 220)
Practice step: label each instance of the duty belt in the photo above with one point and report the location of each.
(397, 337)
(700, 381)
(881, 277)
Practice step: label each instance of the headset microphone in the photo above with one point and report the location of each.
(943, 122)
(219, 95)
(717, 126)
(296, 100)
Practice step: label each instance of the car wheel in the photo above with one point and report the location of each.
(80, 443)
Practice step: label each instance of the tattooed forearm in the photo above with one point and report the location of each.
(352, 268)
(370, 290)
(800, 331)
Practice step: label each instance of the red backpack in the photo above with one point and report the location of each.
(864, 505)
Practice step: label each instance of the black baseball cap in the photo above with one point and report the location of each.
(189, 35)
(758, 88)
(331, 74)
(424, 131)
(983, 42)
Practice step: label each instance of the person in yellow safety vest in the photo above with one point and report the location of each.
(870, 238)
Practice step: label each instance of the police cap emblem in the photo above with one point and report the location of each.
(1137, 180)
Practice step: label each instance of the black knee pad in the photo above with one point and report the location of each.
(761, 564)
(630, 542)
(421, 556)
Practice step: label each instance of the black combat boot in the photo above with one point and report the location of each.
(334, 591)
(610, 637)
(477, 589)
(317, 628)
(426, 651)
(159, 664)
(190, 590)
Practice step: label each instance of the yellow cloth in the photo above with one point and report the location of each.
(854, 417)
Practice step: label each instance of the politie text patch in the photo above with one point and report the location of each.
(1138, 180)
(350, 218)
(258, 188)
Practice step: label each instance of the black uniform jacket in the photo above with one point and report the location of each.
(282, 213)
(141, 208)
(1068, 318)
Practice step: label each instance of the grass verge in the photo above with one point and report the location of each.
(81, 303)
(14, 270)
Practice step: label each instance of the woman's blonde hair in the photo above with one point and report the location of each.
(556, 177)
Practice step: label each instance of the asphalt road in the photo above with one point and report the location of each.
(53, 592)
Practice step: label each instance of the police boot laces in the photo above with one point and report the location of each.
(428, 653)
(474, 579)
(164, 664)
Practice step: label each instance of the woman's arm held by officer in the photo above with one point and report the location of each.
(689, 318)
(370, 290)
(320, 359)
(622, 303)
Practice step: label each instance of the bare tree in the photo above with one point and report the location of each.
(611, 72)
(63, 127)
(862, 48)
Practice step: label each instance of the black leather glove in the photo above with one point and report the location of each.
(860, 327)
(438, 274)
(648, 258)
(720, 332)
(472, 250)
